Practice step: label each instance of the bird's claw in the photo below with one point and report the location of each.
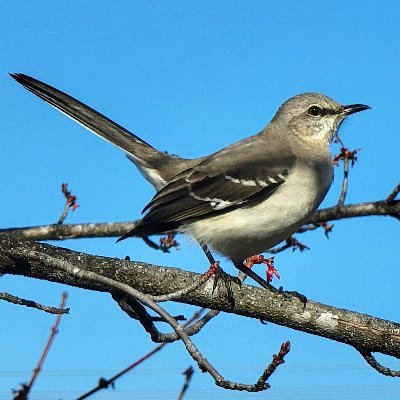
(227, 279)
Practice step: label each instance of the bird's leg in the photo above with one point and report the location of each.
(245, 269)
(260, 259)
(214, 269)
(218, 272)
(248, 271)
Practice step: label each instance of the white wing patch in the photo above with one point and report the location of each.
(234, 180)
(245, 182)
(216, 204)
(257, 182)
(262, 183)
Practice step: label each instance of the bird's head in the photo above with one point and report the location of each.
(314, 116)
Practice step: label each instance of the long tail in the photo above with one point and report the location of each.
(156, 166)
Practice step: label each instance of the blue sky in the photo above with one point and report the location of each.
(191, 77)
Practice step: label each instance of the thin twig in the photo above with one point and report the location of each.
(394, 194)
(291, 243)
(371, 360)
(69, 203)
(136, 310)
(53, 333)
(25, 389)
(64, 213)
(105, 383)
(130, 306)
(33, 304)
(277, 359)
(193, 329)
(345, 182)
(316, 225)
(188, 376)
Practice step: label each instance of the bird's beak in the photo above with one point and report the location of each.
(354, 108)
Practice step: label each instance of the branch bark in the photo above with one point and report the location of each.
(116, 229)
(361, 331)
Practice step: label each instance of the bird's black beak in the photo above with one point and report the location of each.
(354, 108)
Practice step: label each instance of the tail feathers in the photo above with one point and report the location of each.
(156, 166)
(83, 114)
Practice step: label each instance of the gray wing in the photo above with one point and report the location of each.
(200, 192)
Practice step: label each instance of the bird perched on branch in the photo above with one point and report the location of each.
(241, 200)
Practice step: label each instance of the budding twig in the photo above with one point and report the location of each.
(70, 203)
(22, 394)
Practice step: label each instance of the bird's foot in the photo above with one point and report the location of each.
(218, 273)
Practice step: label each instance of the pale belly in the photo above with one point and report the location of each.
(247, 231)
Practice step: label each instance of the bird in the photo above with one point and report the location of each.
(241, 200)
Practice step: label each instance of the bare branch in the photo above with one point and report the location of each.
(188, 373)
(33, 304)
(72, 231)
(146, 300)
(277, 360)
(345, 182)
(69, 203)
(22, 394)
(378, 208)
(312, 227)
(347, 157)
(357, 330)
(371, 360)
(116, 229)
(191, 330)
(394, 194)
(291, 243)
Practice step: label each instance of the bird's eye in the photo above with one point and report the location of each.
(314, 111)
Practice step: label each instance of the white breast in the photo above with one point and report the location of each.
(251, 230)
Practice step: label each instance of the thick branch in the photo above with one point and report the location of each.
(358, 330)
(72, 231)
(116, 229)
(113, 285)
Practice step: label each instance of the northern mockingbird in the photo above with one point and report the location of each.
(243, 199)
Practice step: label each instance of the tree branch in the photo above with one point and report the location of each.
(114, 285)
(116, 229)
(345, 182)
(33, 304)
(394, 194)
(357, 330)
